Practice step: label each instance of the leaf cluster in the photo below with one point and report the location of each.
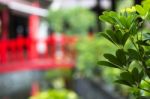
(126, 27)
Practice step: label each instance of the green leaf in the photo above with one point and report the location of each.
(133, 54)
(117, 21)
(131, 19)
(112, 59)
(133, 30)
(135, 72)
(127, 76)
(108, 38)
(108, 64)
(112, 35)
(123, 82)
(106, 19)
(121, 56)
(141, 50)
(140, 10)
(136, 75)
(113, 14)
(118, 36)
(109, 17)
(146, 5)
(123, 21)
(143, 42)
(125, 38)
(141, 75)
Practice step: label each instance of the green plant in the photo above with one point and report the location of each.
(59, 78)
(71, 21)
(58, 88)
(80, 20)
(57, 73)
(132, 55)
(56, 94)
(56, 20)
(89, 51)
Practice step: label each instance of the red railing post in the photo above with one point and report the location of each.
(51, 45)
(20, 48)
(3, 51)
(12, 47)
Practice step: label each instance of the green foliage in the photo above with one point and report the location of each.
(143, 9)
(55, 20)
(70, 21)
(57, 73)
(89, 51)
(57, 90)
(126, 29)
(80, 20)
(131, 78)
(56, 94)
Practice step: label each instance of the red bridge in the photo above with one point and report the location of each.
(20, 54)
(20, 49)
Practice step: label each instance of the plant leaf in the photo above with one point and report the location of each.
(133, 54)
(108, 64)
(127, 76)
(141, 75)
(112, 35)
(121, 56)
(136, 75)
(123, 82)
(112, 59)
(125, 38)
(140, 10)
(143, 42)
(108, 38)
(118, 36)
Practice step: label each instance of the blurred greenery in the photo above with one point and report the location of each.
(57, 90)
(80, 20)
(56, 20)
(57, 73)
(56, 94)
(72, 21)
(90, 50)
(121, 4)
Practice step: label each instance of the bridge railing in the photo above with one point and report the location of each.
(23, 49)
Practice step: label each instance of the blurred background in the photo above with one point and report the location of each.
(49, 50)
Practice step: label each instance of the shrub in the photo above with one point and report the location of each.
(132, 54)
